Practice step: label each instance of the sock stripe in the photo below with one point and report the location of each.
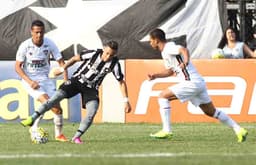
(218, 114)
(37, 113)
(80, 131)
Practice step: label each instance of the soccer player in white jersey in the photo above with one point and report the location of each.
(33, 65)
(191, 87)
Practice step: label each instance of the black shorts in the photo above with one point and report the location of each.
(73, 87)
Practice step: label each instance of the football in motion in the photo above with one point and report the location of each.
(39, 136)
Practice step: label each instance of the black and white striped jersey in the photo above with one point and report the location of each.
(93, 69)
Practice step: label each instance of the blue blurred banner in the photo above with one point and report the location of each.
(16, 104)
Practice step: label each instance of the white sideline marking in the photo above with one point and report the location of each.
(131, 155)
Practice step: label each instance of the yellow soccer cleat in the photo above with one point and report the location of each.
(162, 135)
(241, 135)
(27, 122)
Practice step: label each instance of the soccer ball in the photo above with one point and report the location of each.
(217, 54)
(39, 136)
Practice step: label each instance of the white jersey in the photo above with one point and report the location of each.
(172, 60)
(37, 59)
(236, 52)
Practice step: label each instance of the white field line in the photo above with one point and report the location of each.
(130, 155)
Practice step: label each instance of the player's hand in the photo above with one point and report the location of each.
(151, 77)
(34, 85)
(56, 72)
(127, 107)
(182, 65)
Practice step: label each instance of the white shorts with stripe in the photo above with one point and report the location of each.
(195, 92)
(46, 87)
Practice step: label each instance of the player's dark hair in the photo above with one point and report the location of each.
(37, 23)
(112, 44)
(158, 34)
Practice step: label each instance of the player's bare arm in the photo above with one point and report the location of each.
(65, 73)
(23, 75)
(162, 74)
(124, 91)
(59, 70)
(72, 61)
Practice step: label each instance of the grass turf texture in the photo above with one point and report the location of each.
(109, 143)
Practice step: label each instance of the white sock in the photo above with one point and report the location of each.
(224, 118)
(58, 122)
(165, 114)
(36, 123)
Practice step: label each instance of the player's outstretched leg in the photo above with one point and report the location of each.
(210, 110)
(56, 98)
(91, 107)
(240, 132)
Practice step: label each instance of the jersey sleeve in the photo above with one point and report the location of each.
(21, 53)
(117, 71)
(174, 50)
(169, 54)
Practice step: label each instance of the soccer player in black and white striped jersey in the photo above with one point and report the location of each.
(86, 81)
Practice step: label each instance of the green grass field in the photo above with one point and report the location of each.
(108, 143)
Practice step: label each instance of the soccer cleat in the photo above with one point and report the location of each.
(162, 135)
(61, 138)
(27, 122)
(77, 140)
(241, 135)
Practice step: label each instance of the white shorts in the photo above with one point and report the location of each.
(46, 87)
(195, 92)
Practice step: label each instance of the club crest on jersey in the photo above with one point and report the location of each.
(45, 52)
(107, 70)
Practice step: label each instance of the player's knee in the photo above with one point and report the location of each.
(162, 95)
(57, 110)
(163, 103)
(167, 94)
